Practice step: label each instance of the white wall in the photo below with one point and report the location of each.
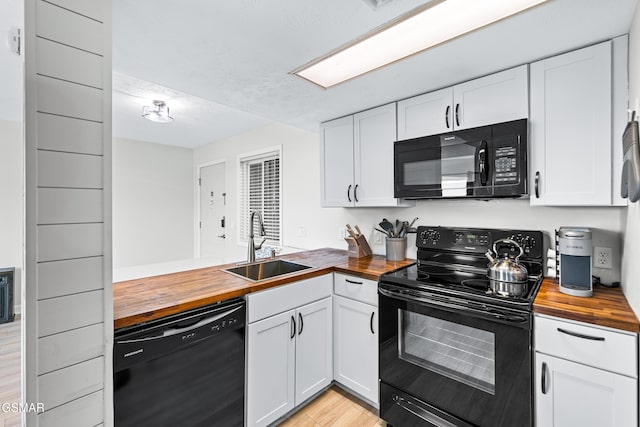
(11, 195)
(301, 200)
(152, 203)
(11, 65)
(631, 253)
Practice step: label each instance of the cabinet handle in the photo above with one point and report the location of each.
(371, 323)
(293, 327)
(544, 378)
(457, 115)
(355, 193)
(537, 181)
(446, 116)
(353, 282)
(301, 324)
(575, 334)
(349, 193)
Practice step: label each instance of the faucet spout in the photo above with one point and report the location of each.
(252, 247)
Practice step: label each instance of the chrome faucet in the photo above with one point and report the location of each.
(251, 249)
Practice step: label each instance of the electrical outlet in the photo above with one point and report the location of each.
(602, 257)
(342, 233)
(301, 230)
(377, 237)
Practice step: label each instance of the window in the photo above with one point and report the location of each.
(260, 191)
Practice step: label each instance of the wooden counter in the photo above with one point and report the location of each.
(607, 307)
(141, 300)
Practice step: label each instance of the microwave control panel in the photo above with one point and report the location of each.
(506, 165)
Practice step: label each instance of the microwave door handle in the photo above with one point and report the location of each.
(482, 163)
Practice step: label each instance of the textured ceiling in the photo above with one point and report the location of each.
(237, 55)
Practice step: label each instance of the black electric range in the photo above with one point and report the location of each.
(452, 352)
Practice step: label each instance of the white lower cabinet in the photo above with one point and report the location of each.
(570, 394)
(271, 369)
(355, 341)
(289, 354)
(585, 375)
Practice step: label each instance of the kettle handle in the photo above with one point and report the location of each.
(510, 241)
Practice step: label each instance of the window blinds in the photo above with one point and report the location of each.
(260, 191)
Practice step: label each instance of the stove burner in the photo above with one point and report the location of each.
(480, 284)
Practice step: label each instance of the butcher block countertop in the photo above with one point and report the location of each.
(607, 307)
(140, 300)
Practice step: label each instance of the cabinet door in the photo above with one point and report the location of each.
(270, 368)
(336, 162)
(375, 133)
(570, 128)
(355, 334)
(314, 349)
(499, 97)
(425, 115)
(579, 395)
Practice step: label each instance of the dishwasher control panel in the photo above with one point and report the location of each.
(148, 341)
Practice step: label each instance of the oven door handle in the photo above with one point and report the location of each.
(416, 297)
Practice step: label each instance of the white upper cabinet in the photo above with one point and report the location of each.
(427, 114)
(336, 162)
(356, 155)
(499, 97)
(573, 100)
(374, 135)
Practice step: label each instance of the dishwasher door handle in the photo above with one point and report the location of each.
(171, 332)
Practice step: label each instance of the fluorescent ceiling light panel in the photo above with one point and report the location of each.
(418, 30)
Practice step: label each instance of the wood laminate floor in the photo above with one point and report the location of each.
(335, 407)
(10, 370)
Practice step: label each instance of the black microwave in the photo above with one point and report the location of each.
(483, 162)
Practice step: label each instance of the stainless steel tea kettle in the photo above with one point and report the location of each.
(506, 276)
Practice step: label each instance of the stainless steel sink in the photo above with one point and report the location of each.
(265, 270)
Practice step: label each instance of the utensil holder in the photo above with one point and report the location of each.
(396, 248)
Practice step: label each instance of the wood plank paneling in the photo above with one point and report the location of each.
(69, 99)
(69, 170)
(84, 412)
(607, 307)
(94, 9)
(59, 133)
(63, 314)
(71, 347)
(71, 383)
(58, 242)
(67, 63)
(68, 277)
(64, 26)
(68, 206)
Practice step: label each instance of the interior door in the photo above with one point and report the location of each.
(212, 211)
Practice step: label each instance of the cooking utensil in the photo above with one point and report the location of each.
(387, 226)
(382, 231)
(412, 222)
(506, 276)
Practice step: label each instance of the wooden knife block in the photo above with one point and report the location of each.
(358, 247)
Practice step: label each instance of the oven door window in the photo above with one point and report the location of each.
(459, 352)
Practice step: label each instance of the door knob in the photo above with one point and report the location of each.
(222, 236)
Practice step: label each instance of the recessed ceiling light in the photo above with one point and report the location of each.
(158, 113)
(422, 28)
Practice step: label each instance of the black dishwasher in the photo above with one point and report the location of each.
(182, 370)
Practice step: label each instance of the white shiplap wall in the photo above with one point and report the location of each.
(68, 307)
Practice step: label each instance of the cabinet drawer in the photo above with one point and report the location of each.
(356, 288)
(590, 345)
(263, 304)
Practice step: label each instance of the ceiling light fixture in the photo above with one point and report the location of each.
(158, 113)
(420, 29)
